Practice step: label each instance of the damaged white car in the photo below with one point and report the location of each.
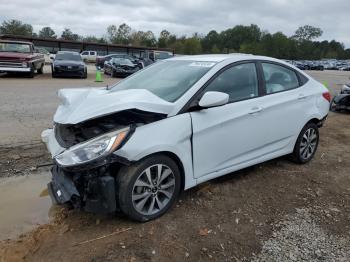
(182, 121)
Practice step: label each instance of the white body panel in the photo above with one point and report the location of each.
(208, 142)
(169, 135)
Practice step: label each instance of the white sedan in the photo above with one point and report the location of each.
(182, 121)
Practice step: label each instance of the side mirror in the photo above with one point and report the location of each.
(213, 99)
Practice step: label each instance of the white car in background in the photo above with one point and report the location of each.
(179, 122)
(89, 56)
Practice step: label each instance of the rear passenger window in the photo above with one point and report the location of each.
(279, 78)
(239, 82)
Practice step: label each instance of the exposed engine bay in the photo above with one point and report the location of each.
(68, 135)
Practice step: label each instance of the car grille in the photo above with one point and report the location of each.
(70, 68)
(9, 63)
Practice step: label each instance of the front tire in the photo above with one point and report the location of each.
(31, 72)
(149, 188)
(306, 145)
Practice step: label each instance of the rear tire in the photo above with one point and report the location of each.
(306, 145)
(149, 188)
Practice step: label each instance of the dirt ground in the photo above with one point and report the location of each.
(276, 211)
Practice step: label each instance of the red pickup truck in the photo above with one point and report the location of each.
(18, 56)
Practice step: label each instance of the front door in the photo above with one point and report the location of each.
(227, 135)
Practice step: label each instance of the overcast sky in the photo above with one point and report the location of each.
(183, 17)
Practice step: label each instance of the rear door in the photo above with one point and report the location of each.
(284, 104)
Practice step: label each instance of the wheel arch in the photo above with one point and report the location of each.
(316, 121)
(176, 159)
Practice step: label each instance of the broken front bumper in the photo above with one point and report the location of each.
(91, 192)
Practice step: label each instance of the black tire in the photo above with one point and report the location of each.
(297, 156)
(84, 75)
(113, 73)
(32, 71)
(41, 70)
(126, 187)
(332, 106)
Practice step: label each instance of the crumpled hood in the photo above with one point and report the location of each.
(81, 104)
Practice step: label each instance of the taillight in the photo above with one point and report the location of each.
(327, 96)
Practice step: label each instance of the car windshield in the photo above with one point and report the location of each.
(15, 47)
(121, 61)
(167, 79)
(68, 56)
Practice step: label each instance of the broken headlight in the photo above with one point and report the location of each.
(92, 149)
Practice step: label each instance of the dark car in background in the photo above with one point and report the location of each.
(68, 64)
(121, 67)
(100, 61)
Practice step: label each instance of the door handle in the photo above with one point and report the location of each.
(255, 109)
(301, 96)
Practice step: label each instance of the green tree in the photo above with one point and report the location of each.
(215, 49)
(94, 39)
(163, 38)
(47, 32)
(141, 38)
(67, 34)
(16, 27)
(192, 46)
(307, 33)
(148, 39)
(123, 34)
(231, 39)
(209, 41)
(120, 35)
(112, 33)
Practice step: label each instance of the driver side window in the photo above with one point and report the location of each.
(239, 82)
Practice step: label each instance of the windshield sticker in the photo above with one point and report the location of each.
(202, 64)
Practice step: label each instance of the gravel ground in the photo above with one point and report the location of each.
(300, 238)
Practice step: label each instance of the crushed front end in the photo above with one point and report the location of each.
(86, 166)
(93, 191)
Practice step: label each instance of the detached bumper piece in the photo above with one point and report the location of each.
(95, 194)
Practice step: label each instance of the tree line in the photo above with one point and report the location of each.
(245, 39)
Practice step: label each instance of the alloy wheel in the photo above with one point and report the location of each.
(308, 143)
(153, 189)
